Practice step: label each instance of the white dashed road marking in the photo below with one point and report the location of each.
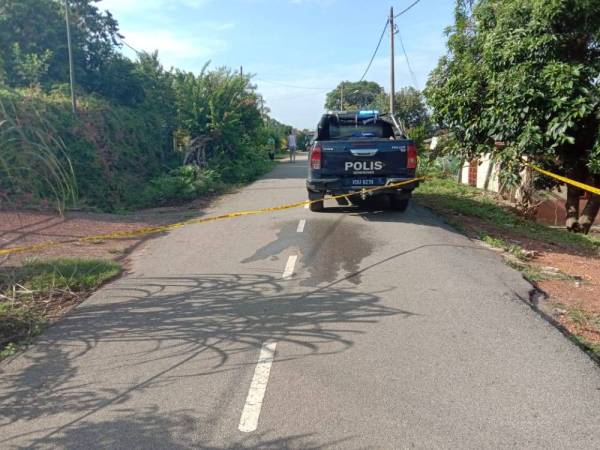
(301, 225)
(258, 387)
(256, 394)
(289, 267)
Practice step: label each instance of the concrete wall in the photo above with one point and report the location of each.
(485, 166)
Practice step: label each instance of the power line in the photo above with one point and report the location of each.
(407, 8)
(412, 74)
(375, 52)
(127, 45)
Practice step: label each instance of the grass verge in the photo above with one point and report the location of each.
(453, 200)
(37, 293)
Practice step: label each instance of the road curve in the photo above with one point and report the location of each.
(344, 329)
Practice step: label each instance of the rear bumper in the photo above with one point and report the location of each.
(336, 186)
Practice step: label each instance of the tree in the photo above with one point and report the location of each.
(29, 69)
(218, 104)
(357, 95)
(526, 73)
(37, 29)
(410, 107)
(411, 110)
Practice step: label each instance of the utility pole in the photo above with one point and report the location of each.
(71, 71)
(392, 66)
(242, 71)
(342, 97)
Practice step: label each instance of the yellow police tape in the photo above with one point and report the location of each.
(162, 228)
(585, 187)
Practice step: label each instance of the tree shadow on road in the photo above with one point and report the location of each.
(149, 428)
(157, 326)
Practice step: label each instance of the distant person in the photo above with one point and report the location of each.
(271, 148)
(292, 147)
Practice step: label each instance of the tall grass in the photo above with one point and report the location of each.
(34, 165)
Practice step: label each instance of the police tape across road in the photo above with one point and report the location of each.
(163, 228)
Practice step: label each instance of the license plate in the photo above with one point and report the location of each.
(361, 182)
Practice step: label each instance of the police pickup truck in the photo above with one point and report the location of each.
(356, 151)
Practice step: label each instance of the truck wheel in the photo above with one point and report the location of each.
(317, 201)
(398, 203)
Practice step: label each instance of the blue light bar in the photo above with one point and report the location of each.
(368, 113)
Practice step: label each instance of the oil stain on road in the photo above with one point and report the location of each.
(332, 247)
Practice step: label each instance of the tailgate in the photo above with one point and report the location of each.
(360, 158)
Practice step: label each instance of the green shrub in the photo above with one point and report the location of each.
(113, 150)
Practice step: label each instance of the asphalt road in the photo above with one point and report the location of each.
(344, 329)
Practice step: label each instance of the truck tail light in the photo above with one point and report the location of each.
(411, 161)
(315, 157)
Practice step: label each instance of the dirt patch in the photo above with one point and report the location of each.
(38, 288)
(21, 228)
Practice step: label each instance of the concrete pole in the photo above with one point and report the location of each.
(70, 49)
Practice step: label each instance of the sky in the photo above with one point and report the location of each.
(297, 50)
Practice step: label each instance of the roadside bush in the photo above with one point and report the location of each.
(110, 150)
(34, 166)
(179, 185)
(441, 167)
(188, 182)
(136, 120)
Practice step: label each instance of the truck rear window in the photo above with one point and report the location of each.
(337, 127)
(343, 131)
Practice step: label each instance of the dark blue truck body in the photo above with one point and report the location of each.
(352, 156)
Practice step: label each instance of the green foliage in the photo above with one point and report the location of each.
(276, 131)
(34, 164)
(119, 79)
(514, 249)
(411, 110)
(31, 293)
(218, 104)
(37, 29)
(134, 122)
(76, 275)
(454, 200)
(29, 69)
(107, 150)
(181, 184)
(441, 167)
(18, 325)
(409, 104)
(357, 95)
(526, 74)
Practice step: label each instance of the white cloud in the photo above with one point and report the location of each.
(149, 25)
(174, 48)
